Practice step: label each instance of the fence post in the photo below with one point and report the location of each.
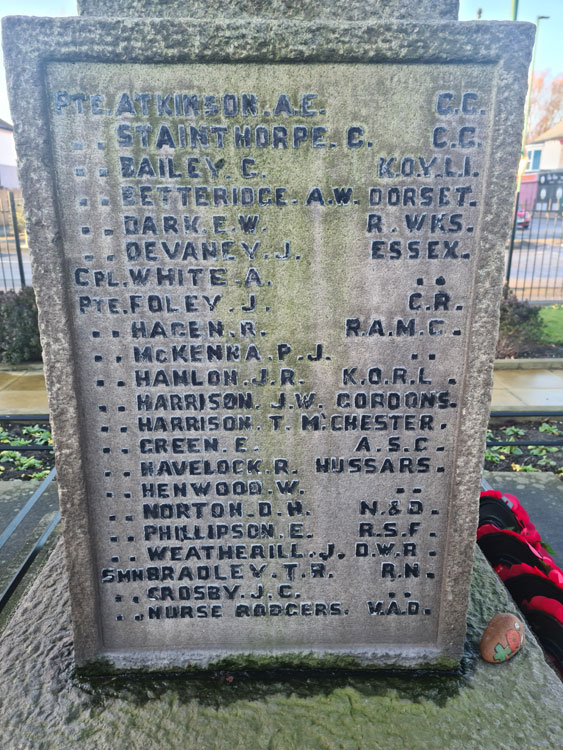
(17, 238)
(511, 248)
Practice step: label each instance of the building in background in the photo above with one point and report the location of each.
(542, 183)
(8, 163)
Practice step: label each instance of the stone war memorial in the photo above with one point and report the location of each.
(267, 252)
(267, 256)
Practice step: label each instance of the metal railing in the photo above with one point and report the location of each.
(527, 414)
(15, 269)
(534, 259)
(38, 545)
(24, 514)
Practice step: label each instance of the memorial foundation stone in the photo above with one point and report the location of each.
(268, 261)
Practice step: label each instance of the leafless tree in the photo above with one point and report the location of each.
(546, 108)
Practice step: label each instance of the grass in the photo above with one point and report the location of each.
(552, 318)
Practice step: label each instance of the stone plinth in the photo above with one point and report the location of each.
(508, 706)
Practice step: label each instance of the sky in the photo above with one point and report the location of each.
(549, 55)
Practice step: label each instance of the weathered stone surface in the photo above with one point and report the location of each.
(485, 706)
(408, 107)
(344, 10)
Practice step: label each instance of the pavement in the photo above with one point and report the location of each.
(527, 390)
(541, 494)
(23, 391)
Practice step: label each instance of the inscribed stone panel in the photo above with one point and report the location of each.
(269, 273)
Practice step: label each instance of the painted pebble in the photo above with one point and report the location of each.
(503, 637)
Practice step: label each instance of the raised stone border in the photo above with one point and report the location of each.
(344, 10)
(35, 366)
(545, 363)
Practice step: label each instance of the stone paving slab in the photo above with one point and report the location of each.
(488, 707)
(23, 402)
(532, 380)
(541, 494)
(547, 398)
(503, 400)
(27, 382)
(6, 378)
(525, 390)
(23, 392)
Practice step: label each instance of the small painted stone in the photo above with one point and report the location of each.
(503, 637)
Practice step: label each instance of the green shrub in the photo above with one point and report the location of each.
(520, 326)
(19, 330)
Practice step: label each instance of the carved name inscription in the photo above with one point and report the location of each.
(269, 273)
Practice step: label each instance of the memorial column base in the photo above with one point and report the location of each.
(45, 705)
